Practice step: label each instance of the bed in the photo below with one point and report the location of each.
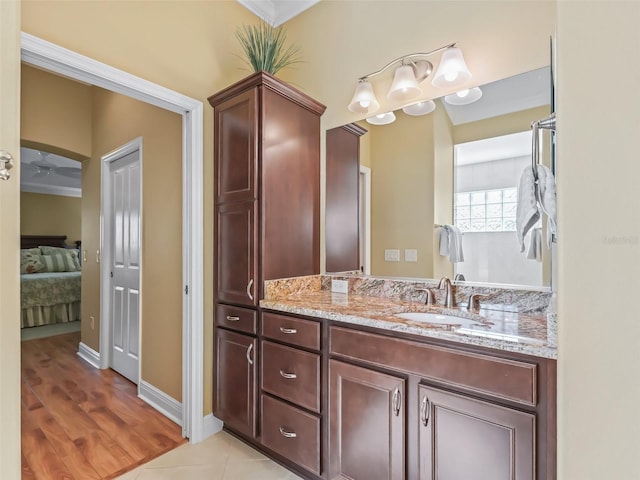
(50, 280)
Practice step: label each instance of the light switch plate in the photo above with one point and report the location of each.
(339, 286)
(392, 255)
(410, 255)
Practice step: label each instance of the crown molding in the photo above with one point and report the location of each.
(51, 190)
(277, 12)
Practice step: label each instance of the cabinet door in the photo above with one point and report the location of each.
(366, 424)
(237, 268)
(234, 395)
(236, 146)
(462, 437)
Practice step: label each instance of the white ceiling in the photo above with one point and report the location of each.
(520, 92)
(276, 12)
(42, 172)
(497, 148)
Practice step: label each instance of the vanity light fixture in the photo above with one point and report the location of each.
(412, 70)
(382, 119)
(420, 108)
(464, 97)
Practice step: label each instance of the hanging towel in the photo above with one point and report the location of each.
(451, 243)
(444, 241)
(535, 245)
(547, 199)
(527, 213)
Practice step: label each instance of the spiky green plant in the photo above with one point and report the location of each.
(264, 47)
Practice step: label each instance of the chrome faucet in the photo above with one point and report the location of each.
(429, 299)
(445, 284)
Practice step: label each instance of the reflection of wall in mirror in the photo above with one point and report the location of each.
(412, 185)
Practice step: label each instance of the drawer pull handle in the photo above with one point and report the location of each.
(397, 401)
(425, 407)
(287, 434)
(232, 319)
(249, 354)
(288, 375)
(288, 330)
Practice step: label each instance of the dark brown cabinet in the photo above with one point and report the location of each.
(366, 424)
(267, 223)
(235, 386)
(342, 206)
(463, 437)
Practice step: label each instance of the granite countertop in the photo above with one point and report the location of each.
(531, 334)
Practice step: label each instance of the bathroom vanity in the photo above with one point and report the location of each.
(339, 386)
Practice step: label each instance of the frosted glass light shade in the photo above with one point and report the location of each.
(382, 119)
(404, 86)
(464, 97)
(420, 108)
(452, 70)
(364, 100)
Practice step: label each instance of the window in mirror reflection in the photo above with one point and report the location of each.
(486, 176)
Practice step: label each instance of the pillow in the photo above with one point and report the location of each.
(46, 250)
(59, 263)
(30, 262)
(34, 250)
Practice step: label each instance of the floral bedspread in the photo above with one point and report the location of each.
(47, 289)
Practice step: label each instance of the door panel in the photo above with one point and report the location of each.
(366, 424)
(9, 241)
(237, 270)
(124, 217)
(469, 438)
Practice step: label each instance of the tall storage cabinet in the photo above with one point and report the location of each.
(267, 216)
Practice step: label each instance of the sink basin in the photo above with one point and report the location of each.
(437, 319)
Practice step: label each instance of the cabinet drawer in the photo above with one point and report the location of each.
(503, 378)
(296, 331)
(291, 374)
(236, 318)
(292, 433)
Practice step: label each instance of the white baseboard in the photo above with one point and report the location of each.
(168, 406)
(210, 425)
(89, 355)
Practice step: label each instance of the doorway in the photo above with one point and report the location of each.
(48, 56)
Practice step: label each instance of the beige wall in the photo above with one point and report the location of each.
(599, 241)
(42, 214)
(56, 114)
(443, 187)
(116, 121)
(198, 58)
(402, 195)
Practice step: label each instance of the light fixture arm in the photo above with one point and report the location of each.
(402, 58)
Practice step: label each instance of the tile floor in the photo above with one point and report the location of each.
(219, 457)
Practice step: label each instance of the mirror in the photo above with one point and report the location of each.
(459, 164)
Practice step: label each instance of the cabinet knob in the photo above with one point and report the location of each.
(288, 330)
(232, 319)
(287, 375)
(287, 433)
(425, 407)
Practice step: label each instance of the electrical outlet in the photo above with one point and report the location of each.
(410, 255)
(92, 322)
(392, 255)
(339, 286)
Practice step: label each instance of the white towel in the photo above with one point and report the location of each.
(535, 245)
(527, 213)
(444, 241)
(547, 199)
(451, 243)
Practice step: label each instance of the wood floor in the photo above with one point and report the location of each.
(81, 423)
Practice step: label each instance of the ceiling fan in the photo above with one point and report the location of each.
(43, 167)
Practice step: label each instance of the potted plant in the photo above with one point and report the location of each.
(264, 47)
